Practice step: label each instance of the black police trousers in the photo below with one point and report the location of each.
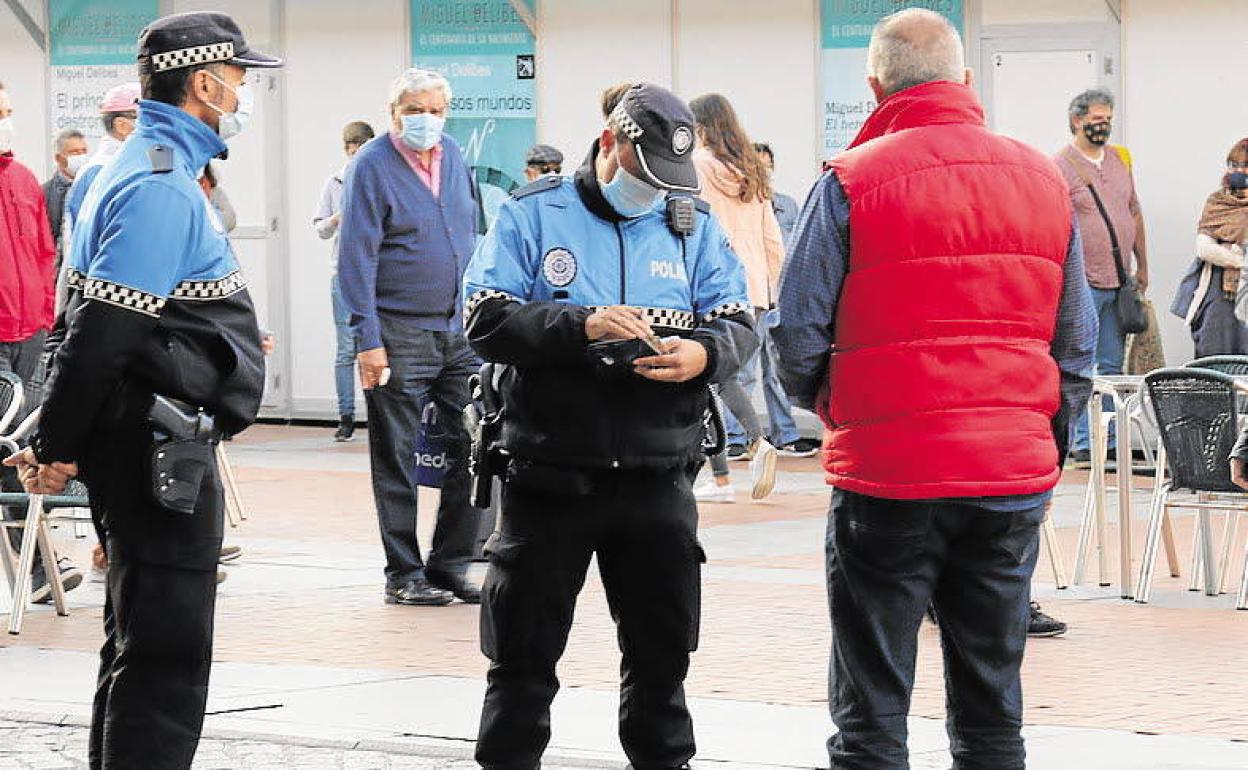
(642, 525)
(158, 614)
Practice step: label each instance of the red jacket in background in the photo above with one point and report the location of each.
(27, 255)
(941, 382)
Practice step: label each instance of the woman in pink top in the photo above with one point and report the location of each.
(737, 186)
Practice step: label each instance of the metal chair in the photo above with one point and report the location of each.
(11, 396)
(1236, 366)
(39, 511)
(1197, 415)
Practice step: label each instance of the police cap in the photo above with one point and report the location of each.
(194, 39)
(660, 127)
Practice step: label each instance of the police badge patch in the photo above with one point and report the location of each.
(682, 140)
(559, 267)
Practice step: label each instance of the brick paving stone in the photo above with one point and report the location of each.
(1162, 668)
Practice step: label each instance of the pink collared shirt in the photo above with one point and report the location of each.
(431, 175)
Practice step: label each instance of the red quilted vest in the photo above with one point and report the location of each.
(941, 383)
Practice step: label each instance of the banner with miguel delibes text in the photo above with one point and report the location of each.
(486, 50)
(92, 48)
(846, 27)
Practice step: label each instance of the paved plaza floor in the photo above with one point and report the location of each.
(313, 670)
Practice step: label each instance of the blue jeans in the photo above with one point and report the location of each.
(425, 366)
(887, 560)
(779, 411)
(344, 357)
(1110, 349)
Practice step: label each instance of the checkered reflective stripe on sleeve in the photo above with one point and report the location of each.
(189, 57)
(723, 311)
(74, 279)
(661, 317)
(479, 297)
(123, 297)
(203, 291)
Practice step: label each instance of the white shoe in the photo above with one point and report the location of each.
(763, 469)
(710, 492)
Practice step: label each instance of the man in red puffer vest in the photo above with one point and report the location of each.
(934, 313)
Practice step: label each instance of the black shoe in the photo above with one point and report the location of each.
(458, 585)
(346, 428)
(418, 592)
(1081, 458)
(1041, 625)
(803, 447)
(41, 589)
(737, 452)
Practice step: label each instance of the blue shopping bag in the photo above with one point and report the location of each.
(431, 456)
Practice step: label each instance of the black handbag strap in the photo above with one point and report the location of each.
(1100, 206)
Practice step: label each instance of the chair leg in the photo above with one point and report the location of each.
(8, 558)
(26, 562)
(1167, 537)
(1198, 567)
(50, 568)
(230, 485)
(1055, 553)
(1148, 560)
(1230, 535)
(1085, 531)
(1206, 552)
(1102, 533)
(1242, 602)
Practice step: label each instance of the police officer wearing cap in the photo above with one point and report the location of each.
(542, 159)
(601, 435)
(161, 356)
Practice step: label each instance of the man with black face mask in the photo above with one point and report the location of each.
(160, 357)
(610, 300)
(1091, 165)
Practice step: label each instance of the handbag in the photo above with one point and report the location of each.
(1128, 304)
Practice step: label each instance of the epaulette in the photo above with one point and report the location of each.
(701, 205)
(541, 184)
(161, 159)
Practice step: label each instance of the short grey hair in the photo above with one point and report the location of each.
(1083, 103)
(902, 56)
(418, 81)
(64, 137)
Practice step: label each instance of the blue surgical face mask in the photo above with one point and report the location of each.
(423, 131)
(231, 124)
(628, 195)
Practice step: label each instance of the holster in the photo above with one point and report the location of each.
(483, 420)
(182, 454)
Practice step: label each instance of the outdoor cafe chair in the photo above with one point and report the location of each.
(1198, 419)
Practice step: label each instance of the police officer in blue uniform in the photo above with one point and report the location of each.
(600, 435)
(160, 357)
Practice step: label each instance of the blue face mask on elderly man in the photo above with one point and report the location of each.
(422, 131)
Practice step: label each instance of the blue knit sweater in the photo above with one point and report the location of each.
(403, 252)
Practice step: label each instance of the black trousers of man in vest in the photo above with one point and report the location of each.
(642, 525)
(158, 614)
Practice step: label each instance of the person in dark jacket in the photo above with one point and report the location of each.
(602, 422)
(409, 214)
(159, 357)
(71, 156)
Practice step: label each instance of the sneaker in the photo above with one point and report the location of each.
(710, 492)
(346, 428)
(41, 589)
(738, 452)
(1041, 625)
(803, 447)
(229, 553)
(762, 469)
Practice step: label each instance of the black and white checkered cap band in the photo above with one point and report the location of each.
(201, 291)
(662, 317)
(723, 311)
(480, 297)
(190, 57)
(123, 297)
(624, 122)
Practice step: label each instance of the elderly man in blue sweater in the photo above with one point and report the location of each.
(409, 217)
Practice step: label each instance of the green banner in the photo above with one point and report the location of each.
(845, 27)
(97, 31)
(486, 51)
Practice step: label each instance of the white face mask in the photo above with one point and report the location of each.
(232, 124)
(8, 132)
(74, 164)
